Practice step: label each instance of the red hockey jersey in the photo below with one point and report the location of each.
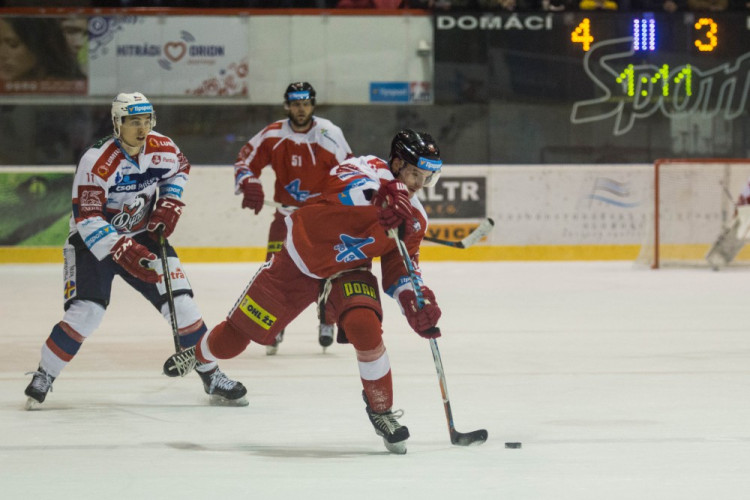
(300, 160)
(342, 231)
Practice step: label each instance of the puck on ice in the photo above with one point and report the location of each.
(512, 445)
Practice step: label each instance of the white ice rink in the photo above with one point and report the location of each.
(622, 383)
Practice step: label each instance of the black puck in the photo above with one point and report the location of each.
(513, 445)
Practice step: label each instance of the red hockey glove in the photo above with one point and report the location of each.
(393, 201)
(165, 215)
(134, 258)
(423, 321)
(252, 193)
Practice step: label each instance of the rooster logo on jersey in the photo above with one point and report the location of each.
(132, 215)
(350, 248)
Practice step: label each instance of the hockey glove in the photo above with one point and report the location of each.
(394, 206)
(134, 258)
(165, 215)
(252, 194)
(424, 320)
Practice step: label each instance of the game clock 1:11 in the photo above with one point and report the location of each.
(669, 56)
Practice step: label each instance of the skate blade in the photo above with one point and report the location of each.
(32, 404)
(216, 400)
(271, 350)
(397, 448)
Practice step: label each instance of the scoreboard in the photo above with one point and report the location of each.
(620, 71)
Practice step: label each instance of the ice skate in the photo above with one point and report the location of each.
(386, 425)
(222, 390)
(180, 363)
(325, 335)
(272, 349)
(41, 384)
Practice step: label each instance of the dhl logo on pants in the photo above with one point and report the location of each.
(257, 313)
(358, 288)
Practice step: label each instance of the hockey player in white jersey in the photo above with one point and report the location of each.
(127, 187)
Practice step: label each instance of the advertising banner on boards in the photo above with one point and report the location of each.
(168, 56)
(43, 55)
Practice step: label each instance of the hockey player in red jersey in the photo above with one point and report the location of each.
(127, 187)
(327, 256)
(301, 150)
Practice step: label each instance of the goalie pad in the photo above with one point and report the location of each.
(731, 240)
(743, 214)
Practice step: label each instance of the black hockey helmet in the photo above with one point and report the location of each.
(419, 149)
(299, 90)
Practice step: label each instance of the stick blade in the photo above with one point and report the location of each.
(480, 232)
(469, 438)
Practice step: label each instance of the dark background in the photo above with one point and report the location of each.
(501, 97)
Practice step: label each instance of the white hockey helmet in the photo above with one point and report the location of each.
(129, 104)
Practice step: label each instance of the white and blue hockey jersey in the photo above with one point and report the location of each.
(114, 194)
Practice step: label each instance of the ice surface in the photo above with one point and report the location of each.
(622, 383)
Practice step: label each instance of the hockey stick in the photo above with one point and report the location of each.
(182, 361)
(477, 234)
(168, 286)
(276, 204)
(458, 438)
(728, 194)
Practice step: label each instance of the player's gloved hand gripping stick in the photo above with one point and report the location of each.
(458, 438)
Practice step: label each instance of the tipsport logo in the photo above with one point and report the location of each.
(428, 164)
(298, 96)
(139, 109)
(631, 91)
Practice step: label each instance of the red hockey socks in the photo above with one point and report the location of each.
(223, 342)
(363, 330)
